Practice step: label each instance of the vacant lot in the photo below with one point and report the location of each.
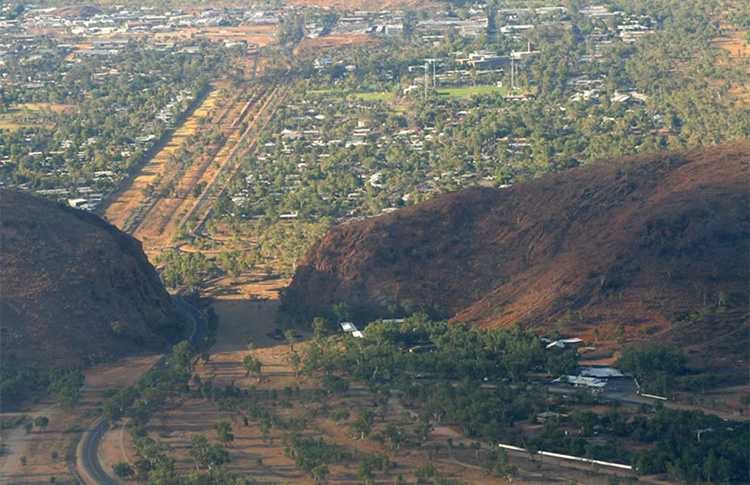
(734, 41)
(338, 41)
(258, 35)
(469, 91)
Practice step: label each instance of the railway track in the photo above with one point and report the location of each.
(134, 224)
(265, 115)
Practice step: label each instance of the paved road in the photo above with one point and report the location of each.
(91, 471)
(88, 450)
(197, 320)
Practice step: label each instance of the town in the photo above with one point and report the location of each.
(407, 241)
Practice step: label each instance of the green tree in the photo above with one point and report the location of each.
(295, 361)
(41, 422)
(320, 474)
(224, 431)
(122, 469)
(362, 424)
(291, 336)
(251, 365)
(320, 328)
(206, 455)
(66, 390)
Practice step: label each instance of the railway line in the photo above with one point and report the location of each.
(155, 219)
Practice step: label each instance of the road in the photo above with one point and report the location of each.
(89, 470)
(197, 321)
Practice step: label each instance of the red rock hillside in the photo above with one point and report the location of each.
(632, 247)
(72, 285)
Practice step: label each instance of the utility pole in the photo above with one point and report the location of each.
(426, 78)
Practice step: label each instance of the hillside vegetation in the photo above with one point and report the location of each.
(626, 248)
(74, 288)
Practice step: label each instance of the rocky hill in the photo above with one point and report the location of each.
(622, 249)
(72, 285)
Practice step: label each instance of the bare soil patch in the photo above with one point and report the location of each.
(259, 35)
(339, 41)
(734, 42)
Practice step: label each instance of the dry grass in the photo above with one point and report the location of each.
(339, 41)
(734, 42)
(38, 446)
(130, 195)
(26, 114)
(264, 458)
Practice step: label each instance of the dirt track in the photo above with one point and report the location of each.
(38, 446)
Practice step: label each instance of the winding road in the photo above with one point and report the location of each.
(84, 463)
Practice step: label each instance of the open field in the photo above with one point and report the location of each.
(262, 453)
(39, 446)
(260, 35)
(734, 42)
(28, 114)
(469, 91)
(336, 94)
(371, 96)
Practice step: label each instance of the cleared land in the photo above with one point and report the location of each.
(172, 211)
(29, 114)
(338, 41)
(125, 201)
(262, 114)
(45, 451)
(469, 91)
(734, 41)
(171, 189)
(259, 35)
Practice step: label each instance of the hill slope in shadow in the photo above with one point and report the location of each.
(72, 285)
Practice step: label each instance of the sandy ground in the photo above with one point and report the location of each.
(259, 35)
(130, 196)
(38, 447)
(116, 447)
